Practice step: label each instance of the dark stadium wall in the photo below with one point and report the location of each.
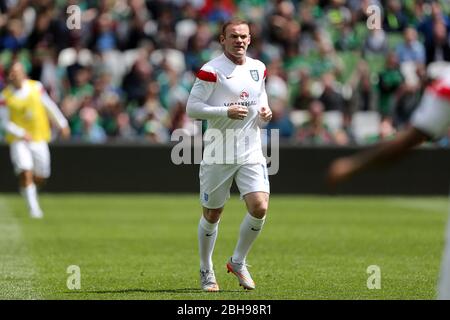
(148, 168)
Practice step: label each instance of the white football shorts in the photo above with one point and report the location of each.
(432, 115)
(33, 156)
(216, 181)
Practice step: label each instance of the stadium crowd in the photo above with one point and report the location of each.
(126, 73)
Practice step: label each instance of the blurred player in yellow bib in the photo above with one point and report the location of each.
(25, 108)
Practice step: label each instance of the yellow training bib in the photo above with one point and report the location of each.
(28, 112)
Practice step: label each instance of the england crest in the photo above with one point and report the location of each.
(255, 75)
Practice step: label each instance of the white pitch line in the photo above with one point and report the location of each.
(423, 205)
(444, 277)
(16, 267)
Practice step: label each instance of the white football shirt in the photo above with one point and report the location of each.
(220, 83)
(433, 114)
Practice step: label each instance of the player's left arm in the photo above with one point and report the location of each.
(264, 112)
(7, 125)
(55, 114)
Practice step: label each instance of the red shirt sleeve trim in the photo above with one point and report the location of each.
(440, 89)
(207, 76)
(265, 73)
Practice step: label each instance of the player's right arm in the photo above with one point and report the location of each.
(431, 120)
(344, 168)
(9, 126)
(197, 106)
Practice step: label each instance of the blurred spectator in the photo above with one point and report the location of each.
(109, 110)
(253, 10)
(218, 11)
(376, 42)
(180, 121)
(276, 86)
(134, 61)
(82, 83)
(348, 39)
(361, 85)
(198, 51)
(411, 49)
(136, 80)
(310, 10)
(151, 109)
(427, 25)
(47, 31)
(345, 135)
(125, 131)
(390, 81)
(314, 131)
(408, 97)
(155, 132)
(439, 49)
(395, 19)
(328, 61)
(280, 121)
(279, 21)
(104, 35)
(15, 38)
(91, 131)
(331, 96)
(337, 13)
(187, 25)
(136, 26)
(386, 132)
(303, 96)
(104, 88)
(171, 87)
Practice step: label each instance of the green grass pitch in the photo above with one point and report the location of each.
(145, 247)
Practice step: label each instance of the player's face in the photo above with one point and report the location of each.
(17, 74)
(236, 40)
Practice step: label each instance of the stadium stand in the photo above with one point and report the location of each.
(132, 63)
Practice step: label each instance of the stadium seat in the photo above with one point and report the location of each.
(298, 117)
(69, 56)
(333, 120)
(409, 71)
(365, 124)
(184, 30)
(173, 57)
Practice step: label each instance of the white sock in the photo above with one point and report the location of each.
(30, 195)
(207, 235)
(250, 229)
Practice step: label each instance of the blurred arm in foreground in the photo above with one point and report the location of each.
(431, 120)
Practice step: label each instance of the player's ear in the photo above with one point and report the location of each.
(221, 38)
